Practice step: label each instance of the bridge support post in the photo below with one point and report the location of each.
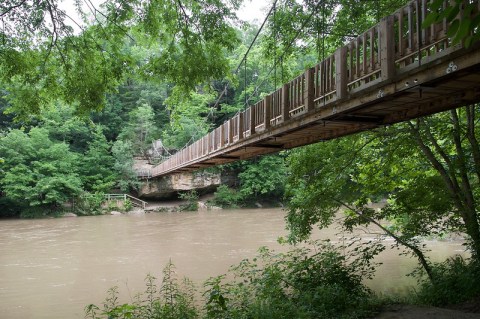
(222, 135)
(341, 72)
(230, 131)
(309, 96)
(240, 125)
(252, 119)
(285, 102)
(387, 48)
(267, 114)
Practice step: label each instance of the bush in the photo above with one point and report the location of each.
(303, 283)
(89, 204)
(226, 197)
(316, 282)
(127, 205)
(192, 201)
(40, 212)
(455, 280)
(169, 301)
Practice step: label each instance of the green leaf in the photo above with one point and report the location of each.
(430, 19)
(453, 29)
(463, 30)
(436, 4)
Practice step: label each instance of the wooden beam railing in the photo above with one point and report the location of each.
(396, 45)
(124, 197)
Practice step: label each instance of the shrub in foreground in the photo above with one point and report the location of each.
(310, 282)
(455, 280)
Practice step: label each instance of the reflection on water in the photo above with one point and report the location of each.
(52, 268)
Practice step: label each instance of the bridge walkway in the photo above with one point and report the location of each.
(393, 72)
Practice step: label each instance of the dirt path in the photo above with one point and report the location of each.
(418, 312)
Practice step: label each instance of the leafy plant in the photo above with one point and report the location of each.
(89, 204)
(310, 282)
(192, 201)
(171, 300)
(127, 205)
(226, 197)
(456, 280)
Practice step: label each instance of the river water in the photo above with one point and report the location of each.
(53, 268)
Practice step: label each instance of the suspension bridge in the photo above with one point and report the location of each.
(393, 72)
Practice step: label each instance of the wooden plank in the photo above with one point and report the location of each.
(387, 44)
(310, 90)
(285, 102)
(341, 72)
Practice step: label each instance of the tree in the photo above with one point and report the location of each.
(42, 58)
(37, 172)
(96, 167)
(123, 166)
(264, 178)
(140, 130)
(425, 169)
(463, 16)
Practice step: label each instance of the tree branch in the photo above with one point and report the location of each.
(451, 186)
(13, 8)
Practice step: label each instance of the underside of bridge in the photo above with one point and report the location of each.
(394, 72)
(432, 88)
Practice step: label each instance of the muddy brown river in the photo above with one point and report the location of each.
(53, 268)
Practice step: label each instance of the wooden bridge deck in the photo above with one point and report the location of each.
(393, 72)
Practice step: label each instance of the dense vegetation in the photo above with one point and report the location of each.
(79, 102)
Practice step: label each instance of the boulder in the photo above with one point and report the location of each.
(167, 187)
(69, 215)
(114, 212)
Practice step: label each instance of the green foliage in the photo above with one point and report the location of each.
(42, 60)
(463, 16)
(112, 206)
(457, 280)
(265, 178)
(37, 172)
(431, 185)
(192, 201)
(171, 300)
(123, 166)
(140, 129)
(97, 165)
(188, 118)
(226, 197)
(89, 204)
(313, 282)
(127, 205)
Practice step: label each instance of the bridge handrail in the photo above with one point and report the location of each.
(135, 201)
(396, 45)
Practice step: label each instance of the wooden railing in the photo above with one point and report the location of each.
(395, 46)
(135, 201)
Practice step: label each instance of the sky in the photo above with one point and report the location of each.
(250, 11)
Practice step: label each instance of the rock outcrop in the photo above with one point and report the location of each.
(169, 186)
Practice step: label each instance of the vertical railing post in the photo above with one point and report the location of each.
(341, 72)
(285, 102)
(309, 95)
(240, 125)
(222, 135)
(267, 114)
(252, 119)
(387, 48)
(230, 131)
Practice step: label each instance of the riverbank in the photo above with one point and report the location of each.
(424, 312)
